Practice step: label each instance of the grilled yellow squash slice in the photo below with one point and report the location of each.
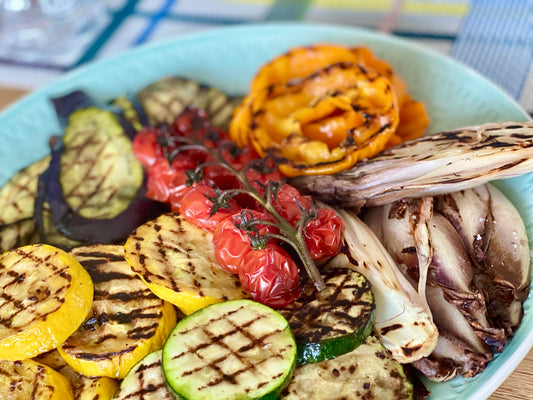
(27, 379)
(83, 387)
(177, 261)
(45, 296)
(126, 322)
(51, 359)
(90, 387)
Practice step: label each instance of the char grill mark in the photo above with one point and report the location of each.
(7, 302)
(219, 340)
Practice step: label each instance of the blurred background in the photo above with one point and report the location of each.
(494, 37)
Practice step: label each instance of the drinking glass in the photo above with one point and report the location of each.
(42, 30)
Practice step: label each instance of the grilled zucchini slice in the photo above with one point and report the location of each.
(100, 175)
(237, 349)
(368, 372)
(27, 379)
(167, 98)
(126, 322)
(45, 296)
(145, 381)
(333, 322)
(17, 196)
(177, 261)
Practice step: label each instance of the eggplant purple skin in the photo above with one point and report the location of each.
(78, 99)
(65, 219)
(89, 230)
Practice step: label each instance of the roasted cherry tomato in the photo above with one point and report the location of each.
(270, 275)
(163, 181)
(232, 244)
(196, 207)
(146, 148)
(289, 202)
(323, 234)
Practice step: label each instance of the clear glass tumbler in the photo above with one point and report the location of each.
(40, 30)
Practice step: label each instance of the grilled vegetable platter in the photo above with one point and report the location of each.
(308, 237)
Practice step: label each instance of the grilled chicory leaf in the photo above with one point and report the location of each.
(403, 324)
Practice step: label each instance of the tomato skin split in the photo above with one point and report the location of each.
(232, 244)
(270, 275)
(323, 234)
(289, 202)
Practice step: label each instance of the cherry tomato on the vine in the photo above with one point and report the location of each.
(146, 148)
(289, 202)
(196, 207)
(323, 235)
(232, 244)
(164, 182)
(270, 275)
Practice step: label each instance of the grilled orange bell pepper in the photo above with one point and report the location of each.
(317, 117)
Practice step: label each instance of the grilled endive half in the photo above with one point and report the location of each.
(403, 324)
(27, 379)
(45, 296)
(126, 322)
(434, 164)
(177, 261)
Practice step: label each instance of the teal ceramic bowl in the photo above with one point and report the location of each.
(228, 58)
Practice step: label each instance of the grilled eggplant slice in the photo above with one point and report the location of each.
(126, 321)
(232, 350)
(177, 262)
(368, 372)
(78, 228)
(167, 98)
(335, 321)
(27, 379)
(45, 296)
(145, 381)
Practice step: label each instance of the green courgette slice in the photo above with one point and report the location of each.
(238, 349)
(368, 372)
(335, 321)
